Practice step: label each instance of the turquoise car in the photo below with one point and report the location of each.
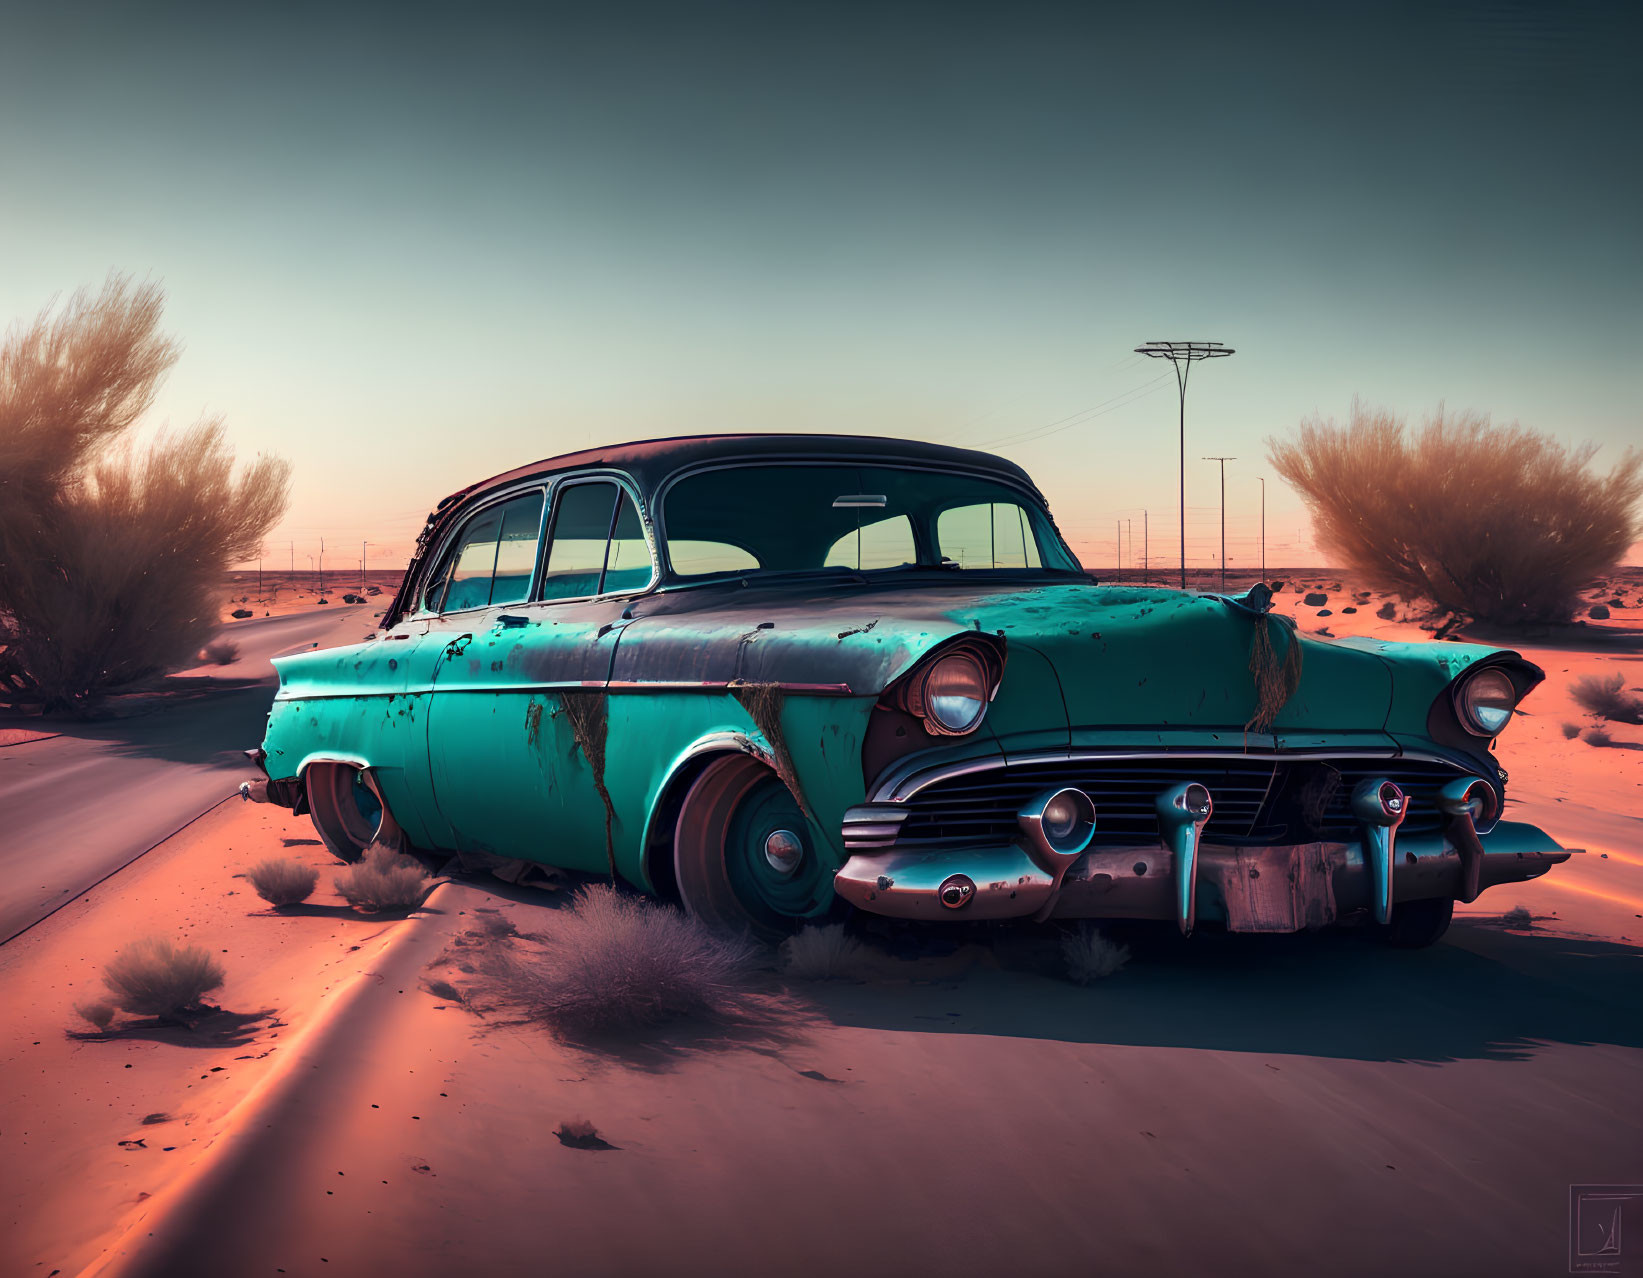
(772, 677)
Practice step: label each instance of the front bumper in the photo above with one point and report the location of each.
(1283, 888)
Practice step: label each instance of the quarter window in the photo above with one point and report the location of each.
(885, 543)
(989, 535)
(492, 561)
(598, 544)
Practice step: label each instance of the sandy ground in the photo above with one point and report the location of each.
(1236, 1104)
(280, 594)
(72, 1096)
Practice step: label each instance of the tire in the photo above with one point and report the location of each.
(1417, 924)
(346, 810)
(733, 812)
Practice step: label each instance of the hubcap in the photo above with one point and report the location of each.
(767, 855)
(784, 851)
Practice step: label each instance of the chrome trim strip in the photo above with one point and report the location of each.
(904, 782)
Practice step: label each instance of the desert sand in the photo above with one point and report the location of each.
(280, 594)
(1236, 1104)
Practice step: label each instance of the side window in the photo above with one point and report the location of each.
(886, 543)
(990, 535)
(598, 544)
(492, 560)
(628, 567)
(516, 551)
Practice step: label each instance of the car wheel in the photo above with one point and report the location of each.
(744, 856)
(1417, 924)
(346, 809)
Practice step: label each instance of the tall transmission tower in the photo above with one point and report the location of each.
(1223, 461)
(1182, 355)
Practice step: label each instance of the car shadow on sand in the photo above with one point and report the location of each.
(1483, 994)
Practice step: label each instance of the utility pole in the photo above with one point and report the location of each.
(1181, 355)
(1118, 540)
(293, 564)
(259, 574)
(321, 573)
(1223, 461)
(1263, 527)
(1146, 564)
(362, 546)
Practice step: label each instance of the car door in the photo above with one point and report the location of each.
(509, 753)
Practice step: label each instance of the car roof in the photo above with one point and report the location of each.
(651, 461)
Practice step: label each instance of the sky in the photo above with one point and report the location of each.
(409, 247)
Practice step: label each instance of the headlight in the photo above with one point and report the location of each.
(954, 693)
(1485, 701)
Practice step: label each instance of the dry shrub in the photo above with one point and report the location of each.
(823, 954)
(611, 962)
(1519, 917)
(383, 880)
(99, 1014)
(1499, 523)
(220, 652)
(1571, 731)
(153, 977)
(1598, 737)
(1606, 697)
(281, 881)
(1090, 956)
(579, 1133)
(111, 557)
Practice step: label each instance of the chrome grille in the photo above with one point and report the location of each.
(1257, 800)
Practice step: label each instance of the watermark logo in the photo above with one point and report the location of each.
(1606, 1229)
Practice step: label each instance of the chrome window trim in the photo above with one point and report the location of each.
(549, 488)
(902, 783)
(626, 484)
(496, 499)
(1033, 498)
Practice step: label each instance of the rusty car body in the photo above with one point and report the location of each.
(765, 675)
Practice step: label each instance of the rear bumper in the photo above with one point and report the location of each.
(1282, 888)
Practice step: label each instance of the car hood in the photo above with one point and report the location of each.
(1119, 656)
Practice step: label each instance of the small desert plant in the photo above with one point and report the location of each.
(1499, 523)
(1571, 731)
(1606, 697)
(1598, 737)
(823, 954)
(153, 977)
(383, 880)
(111, 558)
(612, 962)
(99, 1014)
(578, 1133)
(282, 881)
(1089, 956)
(219, 652)
(1519, 917)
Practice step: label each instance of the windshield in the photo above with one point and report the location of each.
(799, 518)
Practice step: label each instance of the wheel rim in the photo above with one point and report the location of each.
(765, 869)
(345, 809)
(745, 857)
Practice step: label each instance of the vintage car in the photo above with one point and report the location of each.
(775, 676)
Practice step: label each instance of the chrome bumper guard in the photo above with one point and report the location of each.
(1281, 888)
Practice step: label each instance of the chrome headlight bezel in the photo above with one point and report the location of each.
(951, 689)
(1485, 701)
(952, 694)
